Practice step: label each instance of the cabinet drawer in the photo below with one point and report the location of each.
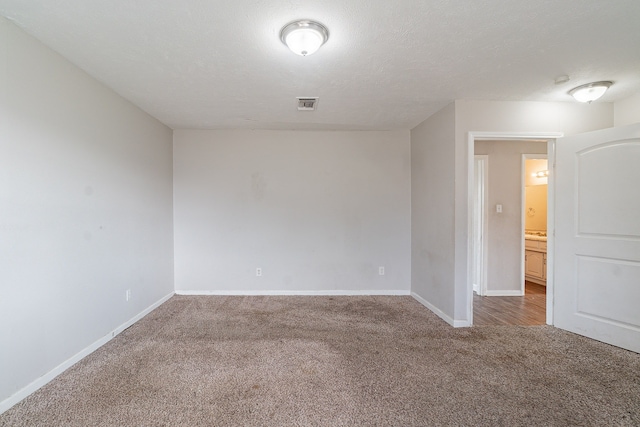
(531, 244)
(535, 245)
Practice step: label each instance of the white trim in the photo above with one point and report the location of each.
(440, 313)
(529, 136)
(505, 293)
(481, 287)
(550, 137)
(551, 226)
(35, 385)
(391, 292)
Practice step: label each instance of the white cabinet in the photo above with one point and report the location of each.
(534, 264)
(535, 261)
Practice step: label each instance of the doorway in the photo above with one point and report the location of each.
(534, 212)
(506, 297)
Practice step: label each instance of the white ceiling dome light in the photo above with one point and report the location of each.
(304, 37)
(590, 92)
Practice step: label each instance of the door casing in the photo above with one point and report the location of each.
(480, 223)
(550, 138)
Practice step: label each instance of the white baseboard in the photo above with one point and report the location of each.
(391, 292)
(440, 313)
(35, 385)
(504, 293)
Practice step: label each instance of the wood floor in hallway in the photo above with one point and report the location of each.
(527, 310)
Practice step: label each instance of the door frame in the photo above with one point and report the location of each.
(550, 139)
(480, 252)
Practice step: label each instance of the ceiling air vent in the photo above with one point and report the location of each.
(307, 104)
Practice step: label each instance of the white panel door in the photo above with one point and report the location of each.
(597, 235)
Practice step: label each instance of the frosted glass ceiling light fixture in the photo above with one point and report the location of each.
(590, 92)
(304, 37)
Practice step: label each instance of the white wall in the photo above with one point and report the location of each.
(504, 244)
(627, 111)
(85, 211)
(318, 212)
(432, 221)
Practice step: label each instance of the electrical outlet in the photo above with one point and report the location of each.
(128, 295)
(381, 271)
(258, 272)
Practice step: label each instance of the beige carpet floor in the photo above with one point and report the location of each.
(335, 361)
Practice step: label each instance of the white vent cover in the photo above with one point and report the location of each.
(307, 103)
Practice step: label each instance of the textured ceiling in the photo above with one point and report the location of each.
(387, 64)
